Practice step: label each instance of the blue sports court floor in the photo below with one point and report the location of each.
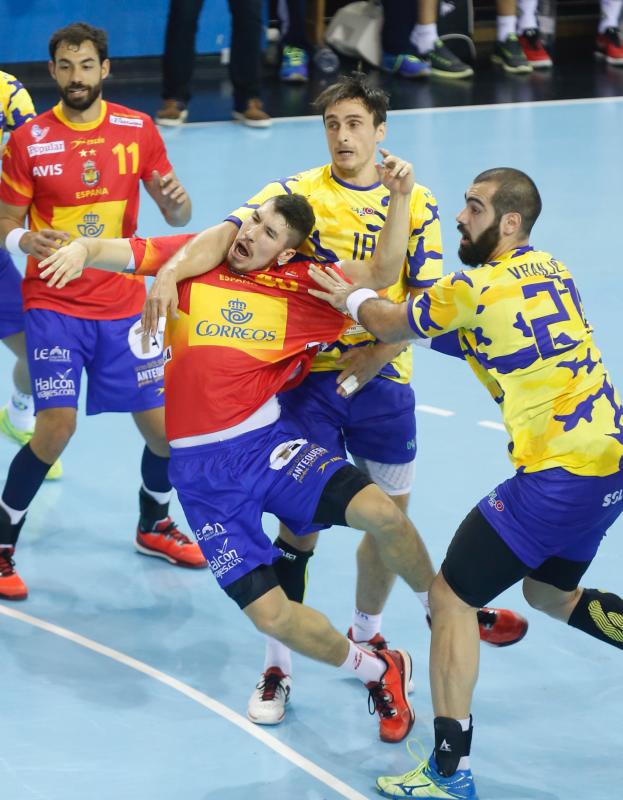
(127, 679)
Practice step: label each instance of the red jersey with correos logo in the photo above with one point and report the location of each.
(239, 339)
(83, 178)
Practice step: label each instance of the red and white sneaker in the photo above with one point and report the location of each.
(12, 587)
(501, 627)
(534, 51)
(267, 704)
(376, 643)
(388, 697)
(609, 47)
(167, 541)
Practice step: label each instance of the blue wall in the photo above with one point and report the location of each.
(135, 27)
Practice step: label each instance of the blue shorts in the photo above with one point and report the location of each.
(225, 487)
(553, 513)
(121, 376)
(11, 313)
(376, 423)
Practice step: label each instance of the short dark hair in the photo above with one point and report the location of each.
(79, 32)
(355, 86)
(298, 214)
(515, 191)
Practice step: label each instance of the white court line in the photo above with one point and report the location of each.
(577, 101)
(198, 697)
(487, 423)
(438, 412)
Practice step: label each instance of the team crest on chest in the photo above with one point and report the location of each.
(90, 173)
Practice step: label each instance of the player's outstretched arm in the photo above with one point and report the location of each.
(68, 262)
(384, 267)
(206, 251)
(387, 321)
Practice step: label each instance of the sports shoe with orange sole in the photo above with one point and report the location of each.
(388, 697)
(12, 587)
(167, 541)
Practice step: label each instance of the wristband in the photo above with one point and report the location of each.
(11, 242)
(356, 298)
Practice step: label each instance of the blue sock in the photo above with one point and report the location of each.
(155, 472)
(26, 474)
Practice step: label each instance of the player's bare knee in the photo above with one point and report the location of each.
(442, 598)
(272, 619)
(548, 599)
(53, 429)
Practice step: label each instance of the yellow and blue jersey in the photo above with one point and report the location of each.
(348, 222)
(521, 327)
(16, 107)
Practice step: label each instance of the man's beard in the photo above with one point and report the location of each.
(475, 253)
(86, 102)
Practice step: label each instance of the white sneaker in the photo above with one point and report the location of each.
(267, 704)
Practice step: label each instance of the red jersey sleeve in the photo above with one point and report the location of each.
(157, 158)
(152, 253)
(16, 181)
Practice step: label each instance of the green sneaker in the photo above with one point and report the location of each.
(23, 437)
(445, 64)
(425, 781)
(509, 55)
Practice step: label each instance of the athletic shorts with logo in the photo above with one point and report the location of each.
(376, 423)
(554, 513)
(121, 377)
(11, 313)
(225, 487)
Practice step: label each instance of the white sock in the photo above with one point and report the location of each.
(424, 37)
(423, 598)
(610, 14)
(526, 18)
(15, 514)
(363, 664)
(506, 25)
(277, 655)
(365, 626)
(21, 410)
(160, 497)
(464, 762)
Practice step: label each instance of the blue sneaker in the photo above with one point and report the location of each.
(294, 65)
(405, 66)
(425, 781)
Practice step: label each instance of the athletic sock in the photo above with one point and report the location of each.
(21, 411)
(277, 655)
(156, 491)
(610, 14)
(363, 664)
(26, 474)
(506, 25)
(600, 614)
(424, 37)
(526, 15)
(365, 626)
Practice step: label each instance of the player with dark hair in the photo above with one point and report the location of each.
(75, 171)
(357, 396)
(248, 329)
(518, 321)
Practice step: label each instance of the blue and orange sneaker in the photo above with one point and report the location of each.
(425, 781)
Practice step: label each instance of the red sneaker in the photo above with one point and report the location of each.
(609, 47)
(501, 627)
(389, 696)
(376, 643)
(167, 541)
(532, 46)
(12, 587)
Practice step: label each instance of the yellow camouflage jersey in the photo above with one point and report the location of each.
(521, 326)
(348, 221)
(15, 104)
